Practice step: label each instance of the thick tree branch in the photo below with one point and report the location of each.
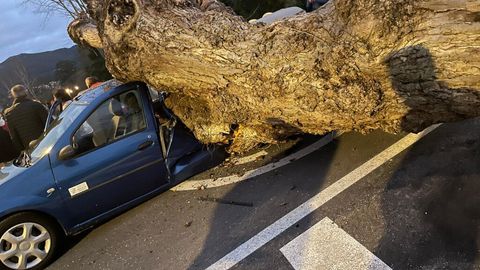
(352, 65)
(83, 31)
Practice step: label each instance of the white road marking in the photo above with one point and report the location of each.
(212, 183)
(315, 202)
(247, 159)
(326, 246)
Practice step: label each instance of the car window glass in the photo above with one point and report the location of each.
(54, 131)
(113, 119)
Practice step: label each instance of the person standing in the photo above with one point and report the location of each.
(62, 95)
(92, 82)
(8, 151)
(25, 118)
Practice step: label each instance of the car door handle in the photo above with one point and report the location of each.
(144, 145)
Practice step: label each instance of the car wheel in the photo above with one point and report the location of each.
(27, 241)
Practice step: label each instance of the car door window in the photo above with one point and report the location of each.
(115, 118)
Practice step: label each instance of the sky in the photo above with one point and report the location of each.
(24, 30)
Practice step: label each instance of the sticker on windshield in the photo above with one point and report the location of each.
(75, 190)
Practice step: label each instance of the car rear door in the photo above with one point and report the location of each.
(118, 160)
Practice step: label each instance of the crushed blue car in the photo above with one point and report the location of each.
(112, 148)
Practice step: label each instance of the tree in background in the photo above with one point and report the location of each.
(25, 78)
(5, 85)
(45, 91)
(64, 70)
(97, 66)
(72, 8)
(21, 75)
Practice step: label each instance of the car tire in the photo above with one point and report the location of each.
(28, 241)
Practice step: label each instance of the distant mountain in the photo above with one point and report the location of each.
(41, 68)
(39, 65)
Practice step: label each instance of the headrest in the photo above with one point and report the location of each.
(115, 107)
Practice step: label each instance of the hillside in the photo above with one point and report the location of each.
(41, 68)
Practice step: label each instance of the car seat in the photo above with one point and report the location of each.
(117, 126)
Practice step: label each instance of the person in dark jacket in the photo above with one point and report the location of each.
(62, 95)
(25, 118)
(8, 151)
(3, 123)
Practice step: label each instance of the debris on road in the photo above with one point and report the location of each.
(222, 201)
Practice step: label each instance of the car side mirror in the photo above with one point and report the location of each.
(66, 152)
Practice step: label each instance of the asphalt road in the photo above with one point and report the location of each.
(418, 210)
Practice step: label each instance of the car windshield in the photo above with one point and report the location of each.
(56, 129)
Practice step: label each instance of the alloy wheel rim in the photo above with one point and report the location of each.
(24, 245)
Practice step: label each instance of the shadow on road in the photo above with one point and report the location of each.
(233, 225)
(431, 204)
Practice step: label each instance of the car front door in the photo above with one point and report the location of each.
(53, 112)
(117, 159)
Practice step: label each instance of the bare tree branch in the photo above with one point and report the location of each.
(6, 84)
(72, 8)
(25, 78)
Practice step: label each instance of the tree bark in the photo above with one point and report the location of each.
(396, 65)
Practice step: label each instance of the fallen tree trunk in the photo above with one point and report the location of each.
(351, 65)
